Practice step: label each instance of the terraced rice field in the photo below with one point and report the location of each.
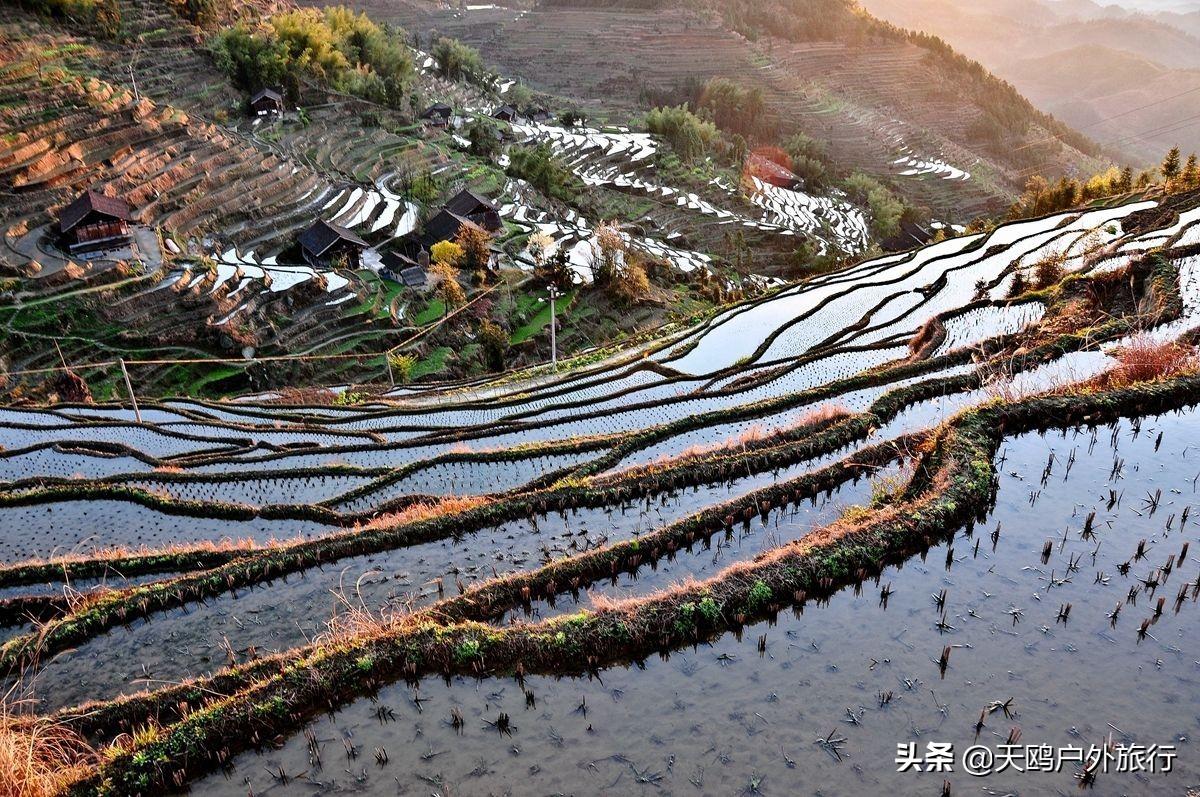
(388, 596)
(878, 105)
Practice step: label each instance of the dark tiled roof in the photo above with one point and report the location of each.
(468, 203)
(444, 226)
(414, 276)
(323, 234)
(267, 94)
(505, 112)
(437, 109)
(88, 202)
(397, 261)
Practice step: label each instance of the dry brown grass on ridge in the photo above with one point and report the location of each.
(115, 553)
(422, 510)
(1146, 360)
(39, 757)
(757, 433)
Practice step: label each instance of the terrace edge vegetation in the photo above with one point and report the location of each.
(481, 267)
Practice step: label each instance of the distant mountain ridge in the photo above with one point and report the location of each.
(877, 94)
(1125, 78)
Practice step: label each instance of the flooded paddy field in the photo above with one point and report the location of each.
(731, 717)
(752, 557)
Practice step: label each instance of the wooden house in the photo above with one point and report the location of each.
(478, 209)
(506, 113)
(437, 115)
(94, 221)
(327, 245)
(267, 102)
(412, 273)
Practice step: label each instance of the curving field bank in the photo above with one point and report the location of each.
(194, 592)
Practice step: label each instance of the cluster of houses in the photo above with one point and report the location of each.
(442, 116)
(328, 245)
(408, 260)
(95, 221)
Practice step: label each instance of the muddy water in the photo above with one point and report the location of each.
(723, 719)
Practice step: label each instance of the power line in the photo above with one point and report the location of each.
(1170, 127)
(1110, 118)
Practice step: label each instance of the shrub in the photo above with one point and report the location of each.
(494, 341)
(538, 166)
(1050, 270)
(690, 137)
(39, 756)
(735, 108)
(402, 365)
(709, 610)
(760, 596)
(467, 651)
(885, 207)
(458, 61)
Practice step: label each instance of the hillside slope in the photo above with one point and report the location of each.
(1081, 62)
(877, 95)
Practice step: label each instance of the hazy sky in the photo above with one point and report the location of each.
(1154, 5)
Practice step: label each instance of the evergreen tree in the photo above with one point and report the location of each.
(1190, 176)
(1170, 165)
(1126, 183)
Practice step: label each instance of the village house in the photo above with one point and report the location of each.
(769, 171)
(437, 115)
(477, 209)
(267, 102)
(506, 113)
(409, 259)
(94, 221)
(410, 272)
(327, 245)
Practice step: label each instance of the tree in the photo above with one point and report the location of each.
(519, 96)
(457, 61)
(345, 50)
(555, 270)
(494, 341)
(734, 108)
(690, 136)
(1126, 183)
(402, 365)
(608, 253)
(1190, 176)
(446, 253)
(539, 248)
(449, 289)
(484, 137)
(1170, 165)
(475, 244)
(886, 209)
(538, 166)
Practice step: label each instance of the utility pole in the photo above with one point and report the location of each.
(554, 294)
(129, 387)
